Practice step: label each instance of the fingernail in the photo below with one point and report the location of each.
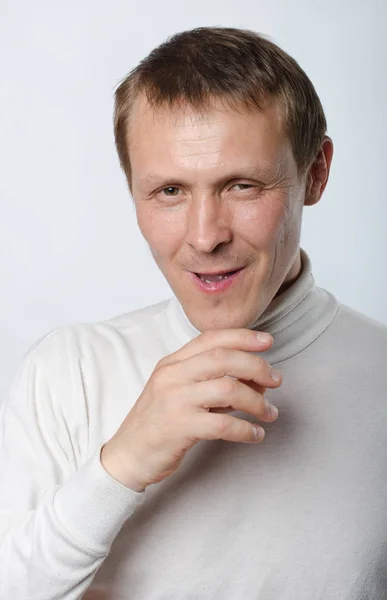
(264, 337)
(273, 410)
(276, 375)
(259, 432)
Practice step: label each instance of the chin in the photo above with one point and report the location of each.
(220, 321)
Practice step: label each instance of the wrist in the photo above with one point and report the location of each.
(114, 467)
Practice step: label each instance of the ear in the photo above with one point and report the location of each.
(318, 174)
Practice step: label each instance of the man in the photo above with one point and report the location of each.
(130, 466)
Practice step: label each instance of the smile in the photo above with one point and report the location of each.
(217, 282)
(216, 277)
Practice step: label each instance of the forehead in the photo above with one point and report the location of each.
(171, 116)
(205, 139)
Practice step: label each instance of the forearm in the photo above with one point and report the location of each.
(55, 550)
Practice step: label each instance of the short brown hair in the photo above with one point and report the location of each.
(239, 66)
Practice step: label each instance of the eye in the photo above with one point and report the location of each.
(243, 186)
(172, 189)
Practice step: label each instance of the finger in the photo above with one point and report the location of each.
(225, 427)
(261, 389)
(220, 362)
(240, 339)
(223, 395)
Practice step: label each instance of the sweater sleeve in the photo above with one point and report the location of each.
(57, 522)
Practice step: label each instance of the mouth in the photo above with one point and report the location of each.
(216, 282)
(220, 276)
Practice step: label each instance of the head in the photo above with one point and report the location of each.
(222, 139)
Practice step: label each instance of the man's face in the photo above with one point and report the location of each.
(217, 193)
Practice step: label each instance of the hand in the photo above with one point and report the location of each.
(186, 400)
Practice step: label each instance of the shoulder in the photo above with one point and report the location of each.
(136, 318)
(351, 316)
(359, 330)
(70, 367)
(64, 343)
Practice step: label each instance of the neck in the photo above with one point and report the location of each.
(298, 314)
(292, 275)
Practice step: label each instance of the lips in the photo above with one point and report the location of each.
(214, 283)
(209, 277)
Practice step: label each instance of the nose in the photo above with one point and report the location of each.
(208, 223)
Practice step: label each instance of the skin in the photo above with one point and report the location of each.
(220, 190)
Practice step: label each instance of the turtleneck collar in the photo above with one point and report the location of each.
(295, 318)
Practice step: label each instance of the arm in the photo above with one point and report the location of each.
(57, 522)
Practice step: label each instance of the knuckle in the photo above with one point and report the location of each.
(162, 375)
(228, 386)
(219, 354)
(161, 363)
(220, 425)
(262, 365)
(244, 429)
(258, 405)
(261, 362)
(264, 404)
(243, 336)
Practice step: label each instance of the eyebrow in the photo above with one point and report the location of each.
(247, 172)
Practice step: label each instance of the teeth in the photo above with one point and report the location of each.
(215, 278)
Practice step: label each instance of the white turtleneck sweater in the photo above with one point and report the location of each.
(300, 516)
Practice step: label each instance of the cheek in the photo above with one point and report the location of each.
(160, 231)
(262, 222)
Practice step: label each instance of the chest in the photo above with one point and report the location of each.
(283, 520)
(300, 516)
